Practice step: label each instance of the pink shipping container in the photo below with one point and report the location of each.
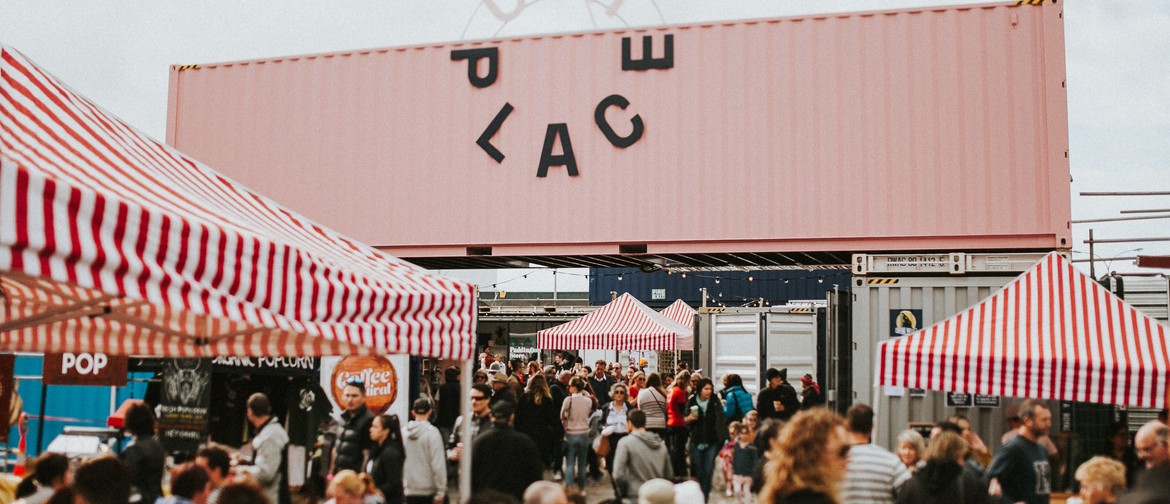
(941, 129)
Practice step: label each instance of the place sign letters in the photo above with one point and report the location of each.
(555, 132)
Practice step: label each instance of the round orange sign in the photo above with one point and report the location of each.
(376, 371)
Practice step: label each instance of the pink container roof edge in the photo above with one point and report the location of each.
(1052, 333)
(623, 324)
(111, 241)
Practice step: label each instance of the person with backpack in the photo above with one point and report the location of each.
(738, 402)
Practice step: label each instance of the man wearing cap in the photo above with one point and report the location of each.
(424, 479)
(500, 390)
(354, 444)
(503, 443)
(768, 404)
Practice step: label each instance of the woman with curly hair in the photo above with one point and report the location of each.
(810, 461)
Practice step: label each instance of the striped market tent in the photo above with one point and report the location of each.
(680, 312)
(1052, 333)
(113, 242)
(623, 324)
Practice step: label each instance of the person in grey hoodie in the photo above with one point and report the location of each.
(424, 481)
(641, 456)
(268, 449)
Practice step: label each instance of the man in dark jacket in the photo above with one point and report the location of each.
(558, 387)
(601, 381)
(788, 397)
(500, 390)
(354, 443)
(449, 401)
(768, 403)
(503, 443)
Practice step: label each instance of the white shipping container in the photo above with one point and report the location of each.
(748, 341)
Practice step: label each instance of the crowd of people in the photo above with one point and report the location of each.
(542, 433)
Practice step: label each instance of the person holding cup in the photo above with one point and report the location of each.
(708, 431)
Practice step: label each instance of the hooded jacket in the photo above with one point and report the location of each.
(426, 474)
(641, 456)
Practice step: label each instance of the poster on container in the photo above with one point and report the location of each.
(904, 321)
(186, 397)
(385, 378)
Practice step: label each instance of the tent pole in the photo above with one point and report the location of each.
(465, 410)
(877, 401)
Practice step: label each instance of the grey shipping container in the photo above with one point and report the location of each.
(889, 305)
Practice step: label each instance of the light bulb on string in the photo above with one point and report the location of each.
(716, 279)
(750, 279)
(684, 275)
(619, 278)
(821, 280)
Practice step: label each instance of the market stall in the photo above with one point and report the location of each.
(623, 324)
(1053, 333)
(111, 241)
(114, 243)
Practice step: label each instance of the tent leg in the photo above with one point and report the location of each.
(465, 410)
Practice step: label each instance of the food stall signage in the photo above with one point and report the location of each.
(85, 369)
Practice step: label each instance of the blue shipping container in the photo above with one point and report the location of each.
(65, 405)
(733, 288)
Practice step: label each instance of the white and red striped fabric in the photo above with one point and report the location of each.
(623, 324)
(680, 312)
(1053, 333)
(111, 241)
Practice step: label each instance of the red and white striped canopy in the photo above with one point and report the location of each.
(1053, 333)
(623, 324)
(113, 242)
(680, 312)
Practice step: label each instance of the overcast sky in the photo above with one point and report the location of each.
(118, 53)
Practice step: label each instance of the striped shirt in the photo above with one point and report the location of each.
(873, 475)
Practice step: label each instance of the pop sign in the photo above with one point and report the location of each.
(85, 369)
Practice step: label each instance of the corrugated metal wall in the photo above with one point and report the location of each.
(775, 286)
(937, 298)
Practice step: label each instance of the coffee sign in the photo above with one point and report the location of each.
(375, 371)
(85, 369)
